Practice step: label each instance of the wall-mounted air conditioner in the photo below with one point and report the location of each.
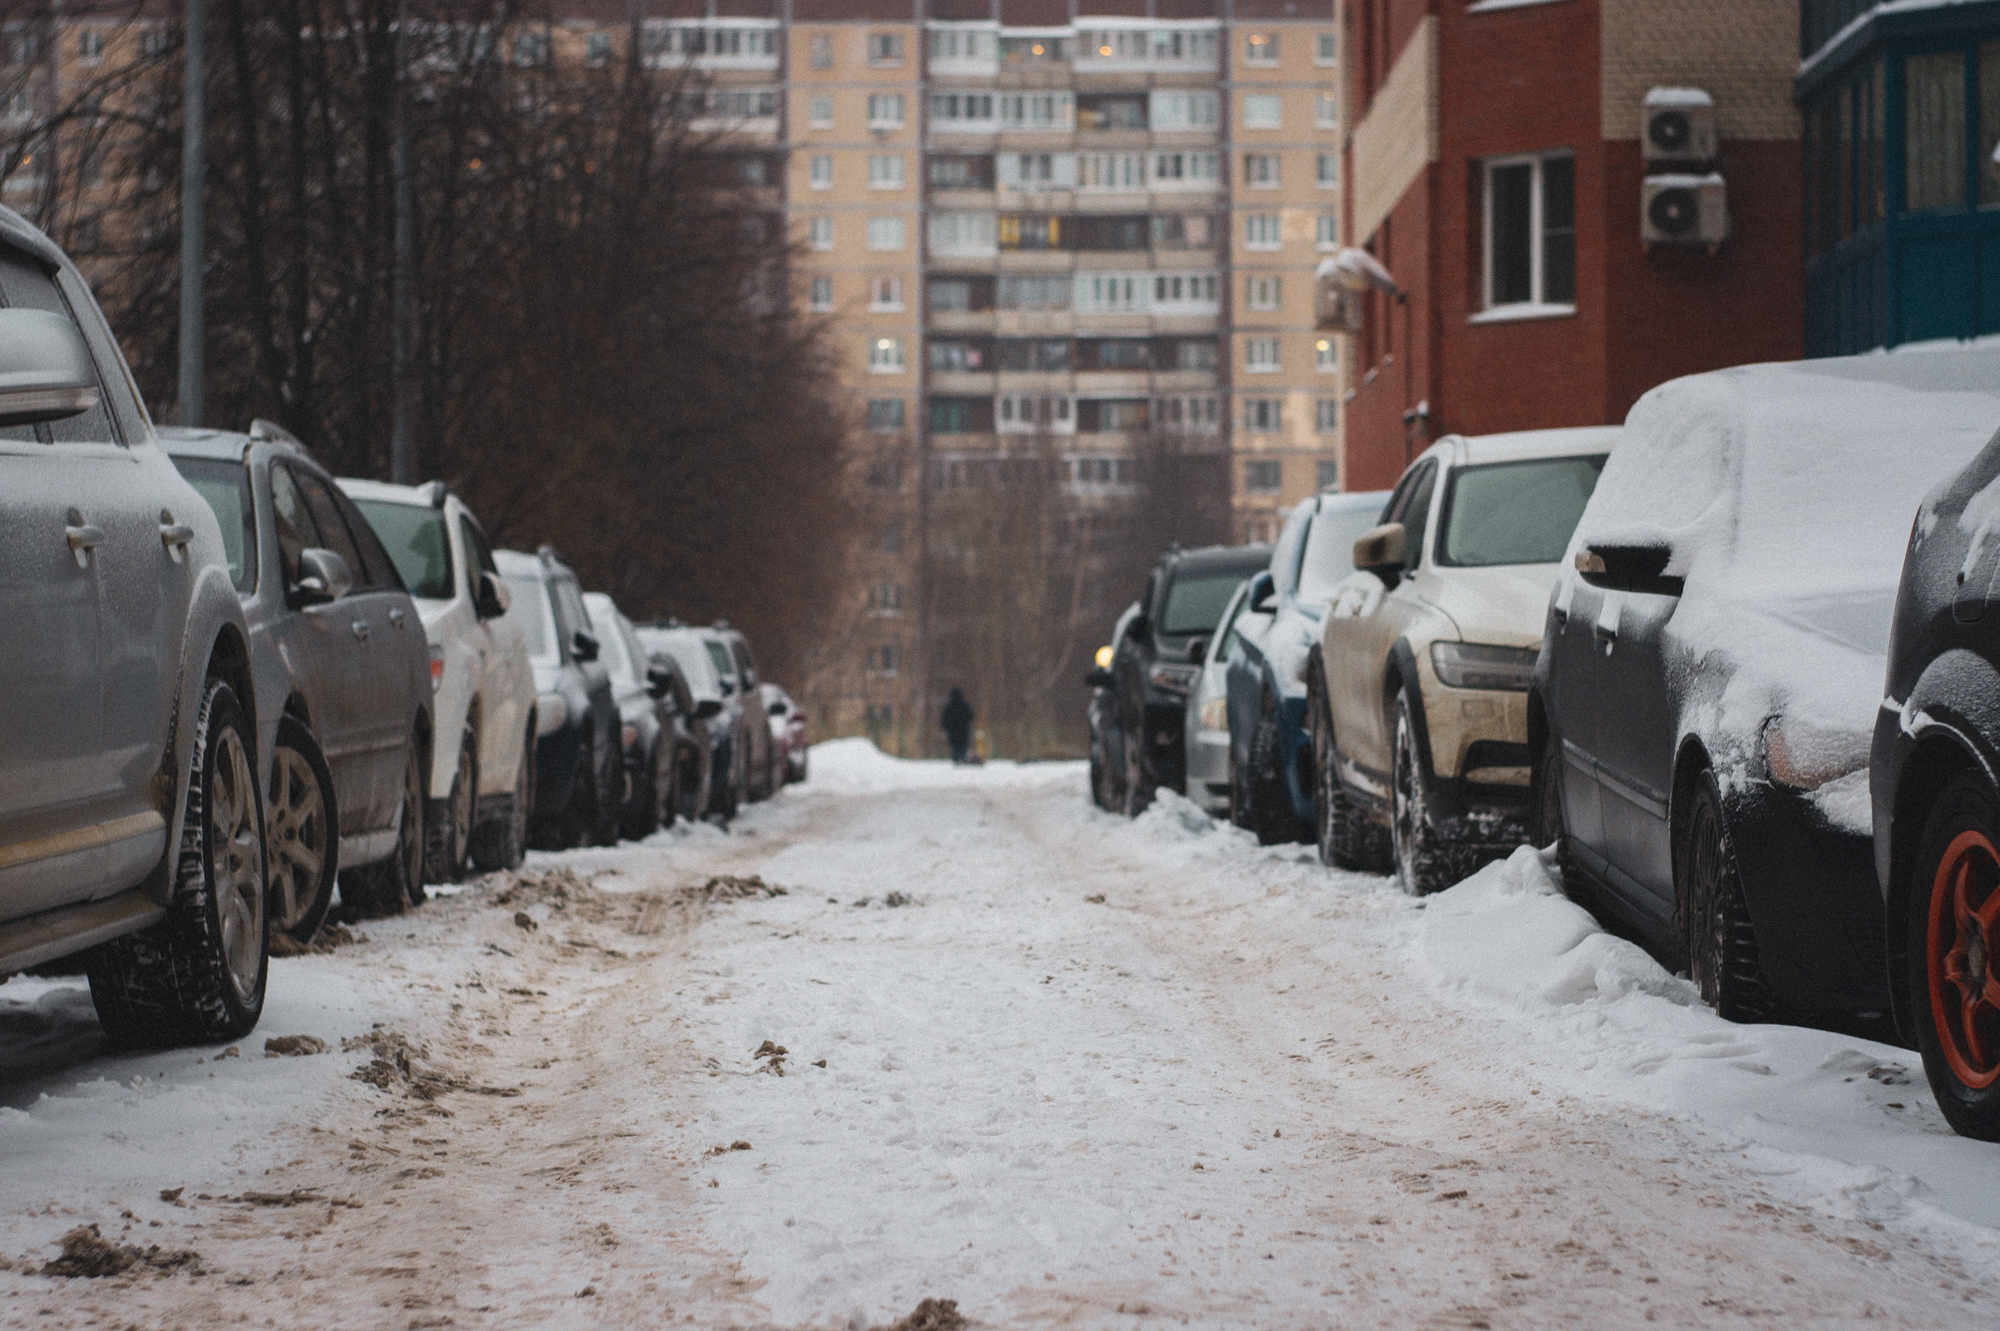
(1677, 125)
(1684, 210)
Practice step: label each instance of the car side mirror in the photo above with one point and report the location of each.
(1140, 627)
(659, 681)
(777, 709)
(583, 645)
(728, 687)
(1197, 651)
(492, 598)
(1380, 551)
(323, 577)
(1629, 568)
(706, 708)
(1262, 589)
(46, 373)
(1098, 678)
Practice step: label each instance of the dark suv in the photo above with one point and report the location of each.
(1154, 662)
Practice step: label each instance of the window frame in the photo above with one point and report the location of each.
(1537, 305)
(814, 120)
(819, 171)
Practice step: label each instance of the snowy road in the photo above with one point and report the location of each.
(1063, 1069)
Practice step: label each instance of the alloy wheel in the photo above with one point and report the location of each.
(236, 857)
(298, 836)
(1961, 933)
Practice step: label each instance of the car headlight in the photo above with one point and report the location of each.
(1805, 756)
(1478, 665)
(1215, 715)
(1173, 678)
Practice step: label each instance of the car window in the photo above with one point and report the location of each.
(1399, 498)
(382, 572)
(743, 664)
(416, 542)
(333, 533)
(1285, 558)
(1514, 512)
(1329, 553)
(615, 653)
(724, 667)
(226, 487)
(1416, 518)
(1195, 604)
(477, 551)
(297, 532)
(1227, 634)
(530, 609)
(570, 614)
(26, 285)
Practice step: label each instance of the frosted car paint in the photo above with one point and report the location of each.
(486, 673)
(356, 670)
(107, 647)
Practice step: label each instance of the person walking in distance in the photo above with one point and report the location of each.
(957, 722)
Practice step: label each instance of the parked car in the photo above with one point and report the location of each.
(1935, 813)
(1420, 718)
(1270, 743)
(578, 776)
(1206, 722)
(1156, 658)
(480, 787)
(1713, 663)
(691, 650)
(1107, 750)
(788, 734)
(739, 680)
(342, 670)
(650, 721)
(131, 816)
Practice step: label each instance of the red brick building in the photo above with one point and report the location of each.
(1497, 166)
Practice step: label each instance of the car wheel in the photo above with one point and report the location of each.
(723, 794)
(499, 842)
(1138, 783)
(1954, 941)
(301, 835)
(1423, 865)
(666, 783)
(198, 976)
(641, 815)
(447, 843)
(1721, 945)
(1348, 838)
(1551, 827)
(1270, 810)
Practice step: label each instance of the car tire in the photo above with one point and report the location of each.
(1550, 825)
(198, 976)
(1953, 935)
(1423, 863)
(1717, 937)
(1138, 784)
(640, 817)
(1270, 810)
(667, 782)
(723, 796)
(301, 833)
(1347, 837)
(447, 843)
(499, 843)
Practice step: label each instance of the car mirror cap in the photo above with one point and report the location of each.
(1381, 548)
(323, 577)
(583, 646)
(46, 373)
(492, 599)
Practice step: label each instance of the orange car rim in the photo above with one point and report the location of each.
(1964, 927)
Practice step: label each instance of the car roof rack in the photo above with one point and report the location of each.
(435, 493)
(266, 431)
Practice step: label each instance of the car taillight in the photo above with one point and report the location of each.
(437, 667)
(631, 736)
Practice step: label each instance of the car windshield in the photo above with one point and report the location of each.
(724, 667)
(418, 546)
(531, 611)
(1329, 553)
(1195, 603)
(226, 487)
(611, 642)
(1515, 512)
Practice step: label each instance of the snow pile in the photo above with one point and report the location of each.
(855, 766)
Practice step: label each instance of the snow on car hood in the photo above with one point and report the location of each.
(1505, 604)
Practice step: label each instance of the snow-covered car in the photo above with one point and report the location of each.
(578, 778)
(649, 723)
(691, 650)
(738, 673)
(345, 716)
(481, 778)
(131, 816)
(1156, 657)
(1714, 659)
(1207, 719)
(1269, 736)
(788, 734)
(1420, 717)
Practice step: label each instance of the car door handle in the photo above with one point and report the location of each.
(84, 536)
(175, 535)
(360, 627)
(1607, 633)
(1561, 617)
(396, 617)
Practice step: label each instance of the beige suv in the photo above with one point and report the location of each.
(1418, 687)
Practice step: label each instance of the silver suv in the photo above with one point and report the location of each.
(131, 817)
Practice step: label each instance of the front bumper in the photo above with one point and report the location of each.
(1208, 770)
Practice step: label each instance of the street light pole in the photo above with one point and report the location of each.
(193, 169)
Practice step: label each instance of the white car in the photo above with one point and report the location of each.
(482, 767)
(1207, 717)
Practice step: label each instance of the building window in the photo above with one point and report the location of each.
(1260, 48)
(885, 598)
(1328, 50)
(819, 233)
(885, 355)
(1326, 111)
(1196, 289)
(1047, 110)
(1326, 419)
(1261, 231)
(883, 660)
(962, 232)
(1326, 355)
(885, 110)
(1260, 170)
(90, 46)
(819, 171)
(1111, 293)
(885, 48)
(1326, 474)
(885, 233)
(819, 112)
(597, 50)
(531, 48)
(1192, 415)
(820, 297)
(1328, 170)
(1934, 131)
(885, 171)
(1530, 211)
(1182, 111)
(1185, 170)
(956, 45)
(1263, 475)
(1263, 292)
(885, 293)
(968, 110)
(819, 50)
(1263, 415)
(1262, 110)
(1107, 171)
(1025, 413)
(885, 415)
(1260, 355)
(1326, 232)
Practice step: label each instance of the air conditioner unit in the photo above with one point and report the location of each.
(1336, 309)
(1684, 210)
(1677, 125)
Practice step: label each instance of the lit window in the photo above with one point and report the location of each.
(1530, 232)
(885, 172)
(1263, 475)
(885, 233)
(1326, 355)
(1326, 234)
(819, 47)
(1260, 170)
(885, 415)
(819, 112)
(885, 48)
(885, 293)
(821, 294)
(885, 110)
(1261, 110)
(885, 355)
(819, 233)
(1260, 48)
(1263, 415)
(1260, 355)
(1326, 111)
(1328, 50)
(819, 171)
(1329, 170)
(1261, 231)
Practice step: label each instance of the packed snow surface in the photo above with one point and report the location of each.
(991, 1045)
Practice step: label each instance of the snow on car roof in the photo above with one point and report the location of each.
(1515, 445)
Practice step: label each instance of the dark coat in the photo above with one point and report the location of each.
(957, 718)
